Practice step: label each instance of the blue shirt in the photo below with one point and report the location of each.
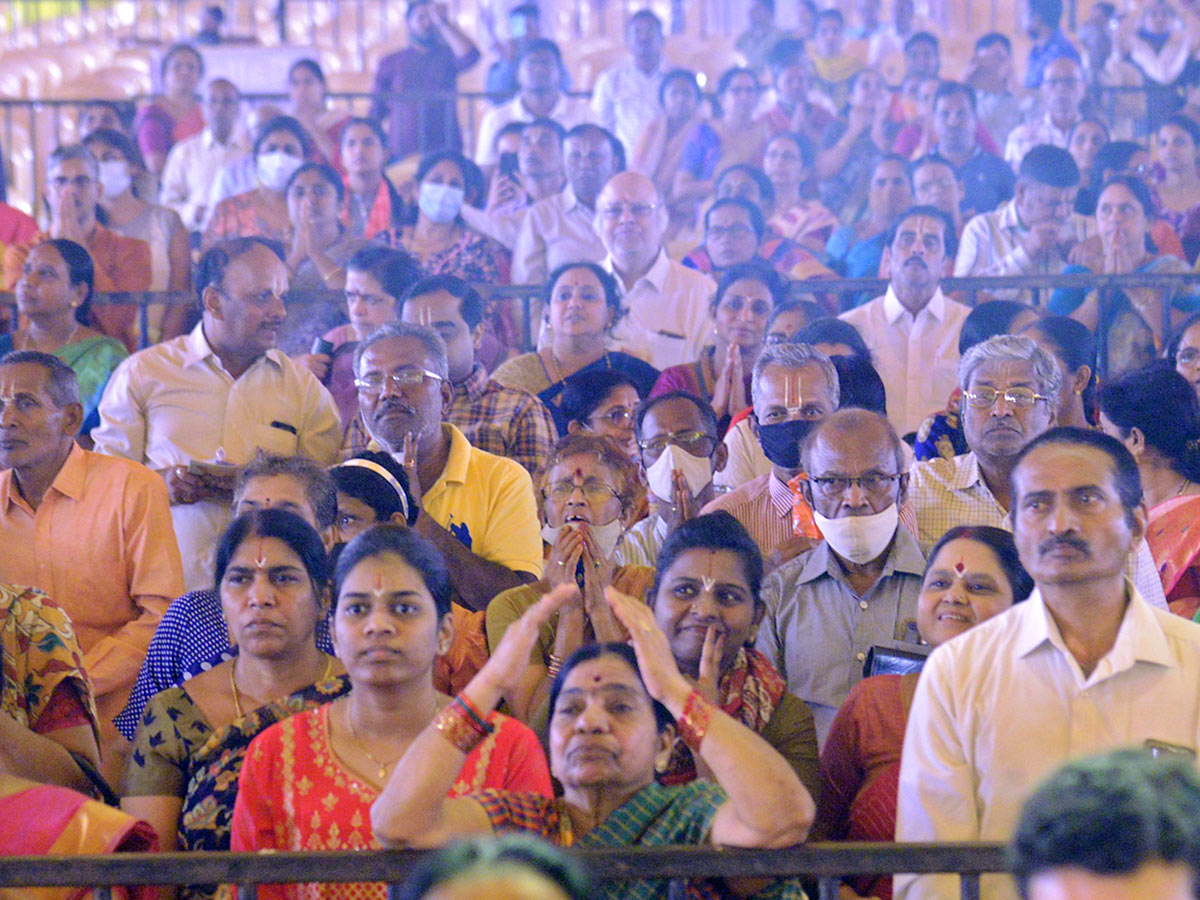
(191, 638)
(1039, 57)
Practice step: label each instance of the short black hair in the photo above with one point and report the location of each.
(949, 235)
(922, 37)
(757, 221)
(285, 526)
(470, 303)
(988, 319)
(540, 45)
(832, 13)
(1110, 815)
(291, 126)
(859, 384)
(1049, 11)
(707, 415)
(714, 531)
(215, 261)
(414, 550)
(685, 75)
(1126, 478)
(787, 52)
(991, 39)
(394, 269)
(759, 270)
(326, 171)
(645, 15)
(766, 190)
(584, 391)
(950, 88)
(1051, 166)
(1162, 405)
(549, 124)
(829, 330)
(583, 129)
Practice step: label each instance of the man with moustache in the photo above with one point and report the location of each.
(912, 330)
(198, 407)
(476, 508)
(1085, 665)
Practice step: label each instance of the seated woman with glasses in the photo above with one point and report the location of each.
(1183, 350)
(973, 573)
(581, 303)
(602, 402)
(746, 296)
(587, 492)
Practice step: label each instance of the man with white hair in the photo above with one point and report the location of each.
(666, 319)
(1009, 388)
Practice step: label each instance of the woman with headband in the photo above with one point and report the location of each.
(372, 489)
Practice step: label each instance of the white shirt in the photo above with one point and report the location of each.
(916, 356)
(625, 101)
(1000, 707)
(174, 402)
(192, 166)
(1025, 137)
(233, 178)
(557, 229)
(567, 112)
(666, 317)
(746, 459)
(991, 245)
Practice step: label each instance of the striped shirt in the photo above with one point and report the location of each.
(764, 507)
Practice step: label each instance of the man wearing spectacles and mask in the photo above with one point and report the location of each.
(793, 387)
(1008, 388)
(856, 588)
(681, 449)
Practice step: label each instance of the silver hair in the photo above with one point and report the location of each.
(1012, 348)
(796, 356)
(73, 151)
(433, 342)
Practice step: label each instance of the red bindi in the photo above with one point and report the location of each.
(959, 567)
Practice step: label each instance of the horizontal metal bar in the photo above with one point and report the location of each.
(611, 864)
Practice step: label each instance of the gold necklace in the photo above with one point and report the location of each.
(233, 688)
(383, 767)
(558, 375)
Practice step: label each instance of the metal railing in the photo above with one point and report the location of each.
(971, 288)
(826, 863)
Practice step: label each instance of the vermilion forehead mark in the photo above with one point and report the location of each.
(261, 560)
(378, 584)
(578, 473)
(708, 580)
(595, 679)
(959, 567)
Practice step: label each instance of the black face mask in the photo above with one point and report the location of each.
(781, 441)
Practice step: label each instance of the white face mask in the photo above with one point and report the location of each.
(859, 539)
(440, 202)
(606, 536)
(697, 472)
(114, 177)
(274, 169)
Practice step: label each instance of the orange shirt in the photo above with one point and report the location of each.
(102, 545)
(122, 264)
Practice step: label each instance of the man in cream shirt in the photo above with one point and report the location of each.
(1084, 665)
(666, 306)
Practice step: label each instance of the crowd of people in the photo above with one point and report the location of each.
(348, 553)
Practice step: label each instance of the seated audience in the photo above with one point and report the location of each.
(121, 263)
(1119, 825)
(1176, 154)
(562, 227)
(735, 231)
(856, 250)
(281, 148)
(799, 107)
(851, 147)
(174, 115)
(625, 94)
(710, 621)
(1183, 350)
(681, 451)
(196, 407)
(1041, 20)
(761, 34)
(913, 329)
(316, 243)
(192, 636)
(658, 154)
(309, 96)
(271, 576)
(310, 782)
(54, 295)
(372, 489)
(1032, 234)
(501, 420)
(987, 179)
(603, 402)
(793, 388)
(663, 315)
(193, 163)
(581, 303)
(240, 174)
(439, 239)
(1010, 396)
(833, 63)
(49, 730)
(373, 206)
(788, 162)
(935, 183)
(973, 574)
(588, 496)
(753, 799)
(746, 295)
(1153, 412)
(1087, 137)
(1073, 349)
(990, 73)
(1063, 91)
(858, 586)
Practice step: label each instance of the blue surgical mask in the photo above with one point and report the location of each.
(440, 202)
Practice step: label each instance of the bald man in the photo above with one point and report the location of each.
(667, 316)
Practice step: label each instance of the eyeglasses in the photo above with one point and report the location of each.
(736, 304)
(617, 417)
(639, 210)
(696, 443)
(595, 491)
(1017, 397)
(373, 382)
(1188, 356)
(736, 230)
(874, 483)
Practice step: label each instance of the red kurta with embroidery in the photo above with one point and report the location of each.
(294, 793)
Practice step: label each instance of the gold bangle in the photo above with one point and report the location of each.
(458, 726)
